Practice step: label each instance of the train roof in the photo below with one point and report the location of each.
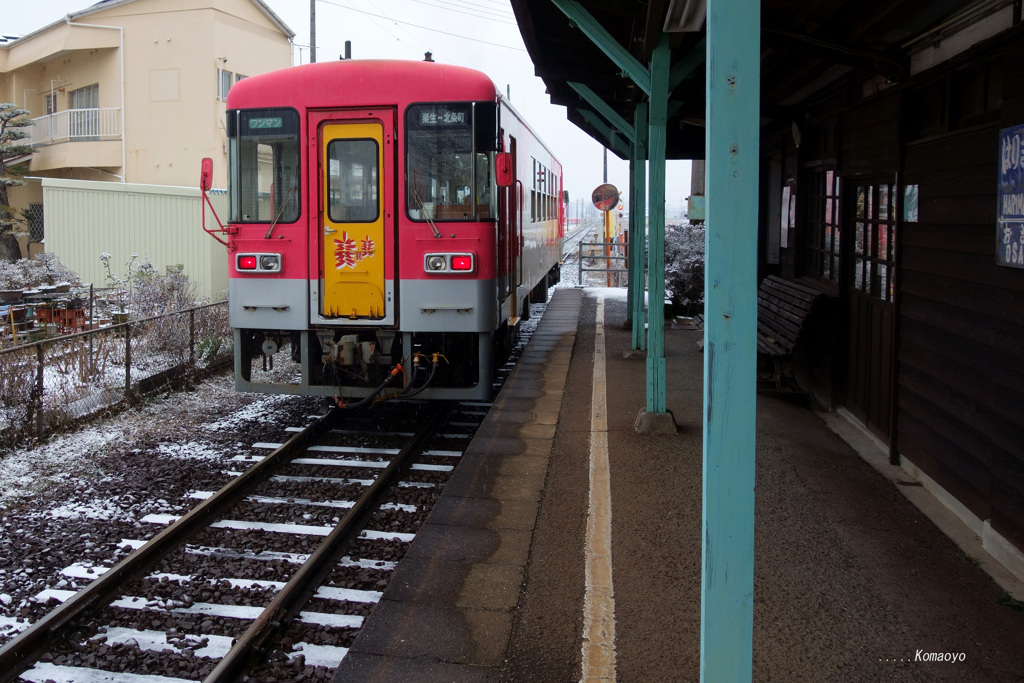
(361, 82)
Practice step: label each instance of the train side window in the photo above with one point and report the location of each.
(352, 181)
(486, 189)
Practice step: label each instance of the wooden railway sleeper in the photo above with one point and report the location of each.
(18, 654)
(287, 604)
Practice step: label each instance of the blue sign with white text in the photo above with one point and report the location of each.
(1010, 213)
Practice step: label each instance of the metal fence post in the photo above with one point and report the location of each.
(39, 391)
(127, 360)
(192, 336)
(91, 367)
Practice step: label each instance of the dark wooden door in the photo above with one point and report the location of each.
(871, 290)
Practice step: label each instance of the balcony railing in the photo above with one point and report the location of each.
(74, 125)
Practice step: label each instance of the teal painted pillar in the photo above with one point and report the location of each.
(730, 329)
(660, 67)
(630, 289)
(638, 227)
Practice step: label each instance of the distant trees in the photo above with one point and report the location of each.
(13, 122)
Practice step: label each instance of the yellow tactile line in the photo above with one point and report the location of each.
(599, 600)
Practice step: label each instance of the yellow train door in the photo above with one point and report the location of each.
(353, 210)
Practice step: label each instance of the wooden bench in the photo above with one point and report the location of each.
(782, 308)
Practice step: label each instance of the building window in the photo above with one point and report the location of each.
(874, 247)
(224, 80)
(85, 98)
(824, 235)
(51, 103)
(34, 215)
(84, 117)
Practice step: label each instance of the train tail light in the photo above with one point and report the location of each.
(259, 263)
(449, 263)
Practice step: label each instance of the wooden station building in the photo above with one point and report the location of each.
(890, 180)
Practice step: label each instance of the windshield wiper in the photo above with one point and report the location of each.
(280, 212)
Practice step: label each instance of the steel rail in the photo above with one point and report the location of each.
(18, 654)
(287, 604)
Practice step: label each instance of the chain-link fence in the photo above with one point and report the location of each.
(51, 383)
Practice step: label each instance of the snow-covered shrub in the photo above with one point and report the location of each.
(42, 269)
(152, 293)
(146, 292)
(684, 265)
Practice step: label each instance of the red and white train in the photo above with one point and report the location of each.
(389, 222)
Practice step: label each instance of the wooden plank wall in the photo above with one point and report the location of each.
(961, 377)
(869, 137)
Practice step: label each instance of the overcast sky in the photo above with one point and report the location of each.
(481, 34)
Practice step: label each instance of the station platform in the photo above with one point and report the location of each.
(855, 579)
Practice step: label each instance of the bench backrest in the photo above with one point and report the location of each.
(782, 307)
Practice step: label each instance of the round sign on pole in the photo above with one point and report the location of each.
(605, 197)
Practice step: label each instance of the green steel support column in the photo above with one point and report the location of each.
(730, 333)
(612, 140)
(602, 108)
(660, 67)
(631, 243)
(638, 227)
(598, 35)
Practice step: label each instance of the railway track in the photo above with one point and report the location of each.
(192, 582)
(271, 576)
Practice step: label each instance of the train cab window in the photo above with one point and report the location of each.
(449, 161)
(263, 165)
(352, 181)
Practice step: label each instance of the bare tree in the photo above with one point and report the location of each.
(13, 121)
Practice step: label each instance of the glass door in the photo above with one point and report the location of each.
(871, 286)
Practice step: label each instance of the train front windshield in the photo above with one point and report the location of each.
(263, 165)
(449, 160)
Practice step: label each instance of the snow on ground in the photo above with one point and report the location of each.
(169, 420)
(77, 497)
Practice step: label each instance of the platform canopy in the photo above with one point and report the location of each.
(809, 48)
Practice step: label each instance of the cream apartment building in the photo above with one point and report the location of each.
(133, 91)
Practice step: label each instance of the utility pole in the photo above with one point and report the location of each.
(312, 31)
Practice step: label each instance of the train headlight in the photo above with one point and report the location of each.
(260, 263)
(450, 263)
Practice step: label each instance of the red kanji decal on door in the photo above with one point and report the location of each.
(347, 254)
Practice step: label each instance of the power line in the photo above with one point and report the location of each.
(425, 28)
(409, 33)
(503, 3)
(469, 9)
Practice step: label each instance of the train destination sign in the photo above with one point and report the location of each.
(266, 122)
(1010, 212)
(605, 197)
